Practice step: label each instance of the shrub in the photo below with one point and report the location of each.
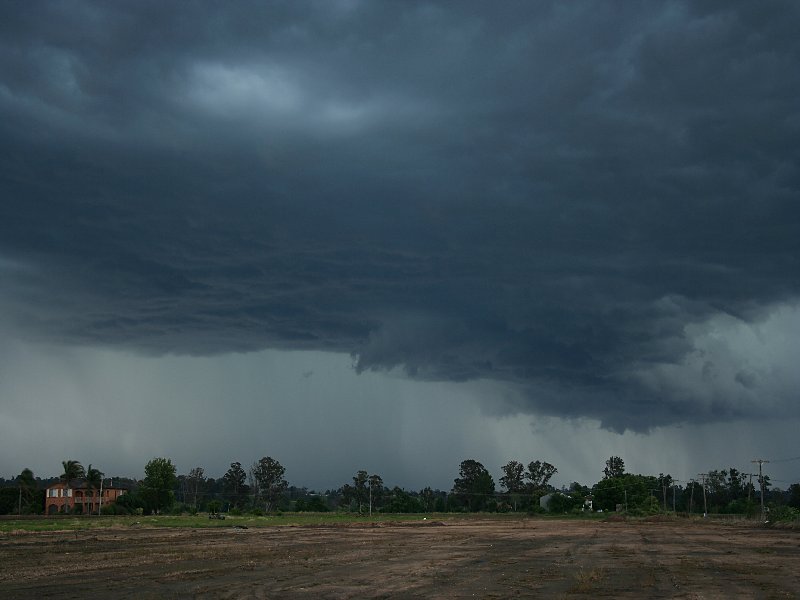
(742, 507)
(783, 513)
(648, 506)
(312, 504)
(562, 503)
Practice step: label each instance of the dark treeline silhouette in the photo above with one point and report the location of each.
(262, 488)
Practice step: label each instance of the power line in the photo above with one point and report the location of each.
(782, 460)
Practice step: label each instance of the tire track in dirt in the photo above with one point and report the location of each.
(702, 560)
(490, 559)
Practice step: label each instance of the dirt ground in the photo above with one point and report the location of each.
(482, 559)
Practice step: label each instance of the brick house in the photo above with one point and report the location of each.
(79, 496)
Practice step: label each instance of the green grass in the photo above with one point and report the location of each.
(283, 520)
(202, 521)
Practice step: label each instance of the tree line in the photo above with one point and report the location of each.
(263, 488)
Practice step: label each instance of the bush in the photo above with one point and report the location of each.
(312, 504)
(742, 507)
(784, 513)
(128, 503)
(562, 503)
(648, 506)
(235, 512)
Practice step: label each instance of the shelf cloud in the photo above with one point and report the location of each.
(594, 203)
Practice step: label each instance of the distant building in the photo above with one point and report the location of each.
(80, 498)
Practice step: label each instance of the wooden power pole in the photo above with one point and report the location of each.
(705, 501)
(761, 461)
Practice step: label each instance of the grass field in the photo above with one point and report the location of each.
(61, 523)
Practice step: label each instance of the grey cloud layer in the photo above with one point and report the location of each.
(546, 194)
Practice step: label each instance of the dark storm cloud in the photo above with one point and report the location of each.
(541, 193)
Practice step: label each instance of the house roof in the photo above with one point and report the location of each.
(80, 484)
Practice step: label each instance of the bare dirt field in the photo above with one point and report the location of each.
(453, 559)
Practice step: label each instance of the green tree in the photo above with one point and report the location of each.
(563, 503)
(664, 484)
(513, 477)
(9, 500)
(427, 499)
(214, 506)
(72, 470)
(579, 489)
(474, 485)
(539, 474)
(128, 503)
(158, 484)
(347, 493)
(359, 490)
(197, 480)
(375, 493)
(94, 479)
(693, 497)
(794, 495)
(233, 482)
(615, 467)
(513, 480)
(27, 488)
(268, 477)
(629, 489)
(401, 501)
(736, 484)
(717, 489)
(313, 503)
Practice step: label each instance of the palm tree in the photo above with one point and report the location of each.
(94, 477)
(72, 470)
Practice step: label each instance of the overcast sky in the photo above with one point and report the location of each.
(395, 235)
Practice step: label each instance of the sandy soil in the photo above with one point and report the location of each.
(482, 559)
